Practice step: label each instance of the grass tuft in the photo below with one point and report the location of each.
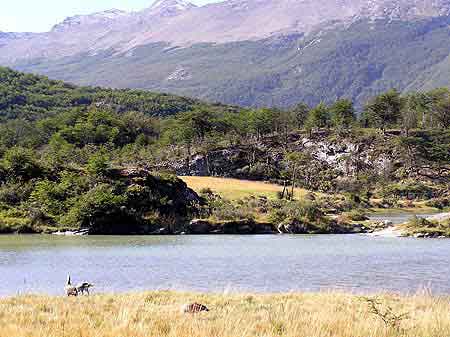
(288, 315)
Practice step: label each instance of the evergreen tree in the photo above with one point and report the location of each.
(319, 117)
(384, 110)
(342, 113)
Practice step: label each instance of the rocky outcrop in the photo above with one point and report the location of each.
(264, 159)
(242, 227)
(333, 160)
(333, 227)
(199, 227)
(149, 204)
(250, 227)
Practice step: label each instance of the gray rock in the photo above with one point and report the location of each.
(199, 226)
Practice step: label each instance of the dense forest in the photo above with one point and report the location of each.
(77, 157)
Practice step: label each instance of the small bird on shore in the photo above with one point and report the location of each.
(194, 308)
(69, 288)
(84, 287)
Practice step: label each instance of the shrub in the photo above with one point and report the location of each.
(439, 203)
(14, 221)
(306, 211)
(98, 163)
(14, 193)
(429, 228)
(410, 189)
(356, 215)
(226, 210)
(21, 162)
(417, 222)
(48, 197)
(206, 191)
(98, 201)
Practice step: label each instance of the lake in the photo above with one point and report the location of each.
(399, 217)
(39, 263)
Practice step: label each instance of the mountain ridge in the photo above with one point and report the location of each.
(291, 50)
(354, 62)
(177, 22)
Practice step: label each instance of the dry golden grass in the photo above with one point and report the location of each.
(158, 314)
(234, 189)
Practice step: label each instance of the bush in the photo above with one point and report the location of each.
(21, 163)
(14, 193)
(439, 203)
(410, 189)
(99, 201)
(356, 215)
(305, 211)
(428, 228)
(98, 163)
(226, 210)
(14, 221)
(417, 222)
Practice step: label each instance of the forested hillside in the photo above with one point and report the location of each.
(356, 61)
(31, 97)
(78, 157)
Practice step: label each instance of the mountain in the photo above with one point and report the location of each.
(291, 50)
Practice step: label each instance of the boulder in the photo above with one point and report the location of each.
(160, 231)
(292, 227)
(239, 227)
(199, 226)
(387, 223)
(265, 228)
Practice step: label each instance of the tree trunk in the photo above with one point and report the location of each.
(294, 176)
(207, 164)
(284, 190)
(189, 158)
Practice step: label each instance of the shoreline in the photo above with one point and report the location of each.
(396, 231)
(374, 227)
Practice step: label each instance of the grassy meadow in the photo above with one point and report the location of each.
(234, 189)
(158, 314)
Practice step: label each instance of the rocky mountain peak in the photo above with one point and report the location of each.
(171, 6)
(405, 9)
(95, 18)
(177, 22)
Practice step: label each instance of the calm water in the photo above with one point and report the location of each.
(219, 263)
(399, 218)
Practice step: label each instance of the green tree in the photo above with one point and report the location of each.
(296, 163)
(99, 162)
(59, 152)
(261, 122)
(286, 123)
(410, 114)
(98, 202)
(437, 99)
(318, 117)
(421, 104)
(384, 110)
(442, 113)
(300, 113)
(20, 162)
(342, 113)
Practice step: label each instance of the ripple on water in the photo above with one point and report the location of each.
(216, 263)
